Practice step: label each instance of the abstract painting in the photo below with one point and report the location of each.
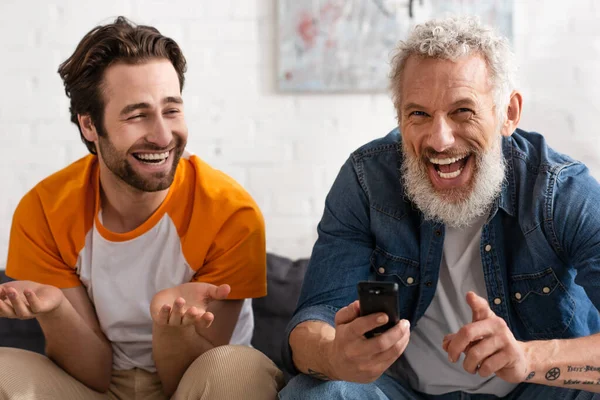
(345, 45)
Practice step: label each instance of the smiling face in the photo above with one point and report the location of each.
(143, 133)
(453, 166)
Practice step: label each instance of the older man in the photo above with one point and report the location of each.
(492, 237)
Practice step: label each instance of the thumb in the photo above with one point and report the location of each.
(347, 314)
(217, 292)
(480, 307)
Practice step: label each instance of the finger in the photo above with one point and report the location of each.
(163, 315)
(190, 316)
(468, 334)
(6, 309)
(35, 304)
(347, 314)
(390, 356)
(480, 307)
(3, 295)
(387, 340)
(446, 341)
(362, 325)
(493, 364)
(18, 305)
(203, 321)
(217, 292)
(177, 312)
(479, 352)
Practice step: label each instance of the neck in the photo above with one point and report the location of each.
(125, 208)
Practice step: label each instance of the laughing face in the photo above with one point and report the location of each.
(453, 167)
(144, 131)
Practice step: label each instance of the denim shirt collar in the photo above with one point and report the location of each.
(507, 199)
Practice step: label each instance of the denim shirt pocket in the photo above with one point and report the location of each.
(542, 303)
(405, 272)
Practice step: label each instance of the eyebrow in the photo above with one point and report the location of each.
(461, 102)
(138, 106)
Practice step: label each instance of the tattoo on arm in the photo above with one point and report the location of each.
(531, 375)
(553, 374)
(318, 375)
(582, 368)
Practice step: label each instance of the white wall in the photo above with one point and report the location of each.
(285, 149)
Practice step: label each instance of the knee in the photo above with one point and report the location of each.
(229, 372)
(22, 372)
(233, 361)
(16, 362)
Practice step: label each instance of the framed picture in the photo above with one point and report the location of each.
(346, 45)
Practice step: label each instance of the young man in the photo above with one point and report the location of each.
(492, 237)
(137, 259)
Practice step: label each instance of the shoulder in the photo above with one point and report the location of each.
(386, 145)
(213, 197)
(531, 151)
(217, 187)
(67, 191)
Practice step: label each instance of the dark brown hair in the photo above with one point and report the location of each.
(120, 41)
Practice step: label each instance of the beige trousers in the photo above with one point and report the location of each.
(226, 372)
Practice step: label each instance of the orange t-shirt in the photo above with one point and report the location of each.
(207, 229)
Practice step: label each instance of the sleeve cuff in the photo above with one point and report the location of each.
(314, 313)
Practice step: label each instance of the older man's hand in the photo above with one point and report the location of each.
(355, 358)
(488, 344)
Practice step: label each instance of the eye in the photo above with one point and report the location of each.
(418, 114)
(172, 111)
(137, 116)
(464, 110)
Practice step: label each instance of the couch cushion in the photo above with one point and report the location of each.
(23, 334)
(273, 312)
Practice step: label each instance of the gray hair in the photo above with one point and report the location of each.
(451, 39)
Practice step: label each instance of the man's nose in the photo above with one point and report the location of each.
(160, 134)
(441, 136)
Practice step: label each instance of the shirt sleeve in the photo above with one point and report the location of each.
(575, 226)
(32, 251)
(340, 257)
(238, 255)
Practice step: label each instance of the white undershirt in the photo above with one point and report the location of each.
(461, 270)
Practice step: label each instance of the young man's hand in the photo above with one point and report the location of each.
(27, 299)
(355, 358)
(187, 305)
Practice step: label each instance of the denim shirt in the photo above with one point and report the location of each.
(540, 246)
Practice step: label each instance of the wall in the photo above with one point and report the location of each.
(285, 149)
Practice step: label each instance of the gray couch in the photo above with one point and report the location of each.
(271, 313)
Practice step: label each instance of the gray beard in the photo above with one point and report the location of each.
(488, 177)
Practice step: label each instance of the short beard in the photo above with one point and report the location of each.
(119, 165)
(486, 185)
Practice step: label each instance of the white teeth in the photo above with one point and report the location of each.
(445, 161)
(153, 156)
(449, 175)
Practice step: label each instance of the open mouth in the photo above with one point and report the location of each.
(449, 168)
(152, 158)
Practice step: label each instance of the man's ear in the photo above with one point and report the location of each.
(513, 114)
(87, 127)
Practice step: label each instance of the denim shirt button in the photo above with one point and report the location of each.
(428, 283)
(497, 300)
(546, 289)
(410, 280)
(488, 247)
(518, 296)
(381, 270)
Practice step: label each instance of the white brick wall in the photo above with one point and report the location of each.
(285, 149)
